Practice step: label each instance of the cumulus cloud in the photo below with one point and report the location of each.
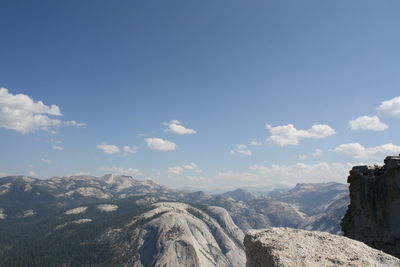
(241, 149)
(179, 169)
(108, 149)
(113, 149)
(254, 142)
(176, 127)
(129, 149)
(390, 108)
(303, 157)
(122, 171)
(285, 135)
(368, 123)
(21, 113)
(358, 151)
(160, 144)
(300, 172)
(317, 153)
(57, 148)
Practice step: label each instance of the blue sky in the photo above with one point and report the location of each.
(121, 73)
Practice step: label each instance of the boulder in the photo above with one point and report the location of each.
(286, 247)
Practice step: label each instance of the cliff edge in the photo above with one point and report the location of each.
(373, 215)
(286, 247)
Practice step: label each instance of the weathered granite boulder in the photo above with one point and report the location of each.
(286, 247)
(373, 215)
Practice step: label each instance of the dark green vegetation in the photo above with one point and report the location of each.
(38, 242)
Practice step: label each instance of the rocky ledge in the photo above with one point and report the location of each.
(286, 247)
(373, 216)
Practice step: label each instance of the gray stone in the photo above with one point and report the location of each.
(373, 215)
(286, 247)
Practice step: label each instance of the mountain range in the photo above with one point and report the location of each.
(122, 221)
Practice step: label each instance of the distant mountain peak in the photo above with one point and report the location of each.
(240, 194)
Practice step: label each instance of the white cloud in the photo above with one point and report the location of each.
(390, 108)
(238, 176)
(358, 151)
(179, 169)
(32, 173)
(241, 149)
(300, 172)
(74, 123)
(22, 114)
(198, 179)
(285, 135)
(317, 153)
(160, 144)
(176, 127)
(108, 149)
(57, 148)
(129, 149)
(254, 142)
(113, 149)
(368, 123)
(122, 171)
(303, 157)
(47, 161)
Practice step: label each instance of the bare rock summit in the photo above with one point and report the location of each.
(286, 247)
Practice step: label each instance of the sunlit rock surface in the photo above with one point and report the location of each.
(286, 247)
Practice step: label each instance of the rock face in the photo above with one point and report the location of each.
(285, 247)
(176, 234)
(373, 215)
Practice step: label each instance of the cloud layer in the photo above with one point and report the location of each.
(358, 151)
(260, 175)
(176, 127)
(285, 135)
(113, 149)
(156, 143)
(241, 149)
(390, 108)
(368, 123)
(300, 172)
(22, 114)
(180, 169)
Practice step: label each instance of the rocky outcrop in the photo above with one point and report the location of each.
(373, 214)
(285, 247)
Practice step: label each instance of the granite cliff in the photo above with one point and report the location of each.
(373, 214)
